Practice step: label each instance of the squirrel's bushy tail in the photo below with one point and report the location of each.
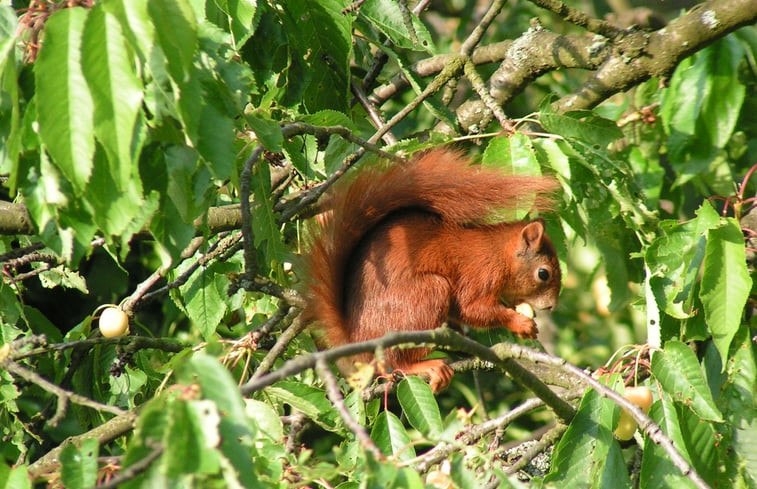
(440, 181)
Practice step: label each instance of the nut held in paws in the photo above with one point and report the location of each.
(525, 309)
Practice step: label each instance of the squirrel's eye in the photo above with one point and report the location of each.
(543, 274)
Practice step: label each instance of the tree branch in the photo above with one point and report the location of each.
(104, 433)
(641, 56)
(336, 398)
(444, 337)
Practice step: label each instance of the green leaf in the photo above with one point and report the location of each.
(152, 426)
(116, 92)
(380, 474)
(721, 111)
(63, 99)
(726, 284)
(79, 464)
(234, 427)
(464, 477)
(215, 141)
(386, 16)
(170, 230)
(192, 437)
(677, 369)
(243, 16)
(328, 118)
(420, 407)
(217, 385)
(587, 454)
(320, 39)
(740, 399)
(10, 138)
(657, 470)
(8, 25)
(189, 111)
(115, 203)
(184, 441)
(704, 445)
(267, 131)
(391, 437)
(136, 25)
(182, 170)
(433, 104)
(62, 276)
(682, 100)
(311, 401)
(176, 29)
(583, 126)
(15, 477)
(674, 259)
(514, 154)
(204, 303)
(264, 218)
(704, 90)
(267, 420)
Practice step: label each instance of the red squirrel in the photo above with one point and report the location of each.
(407, 248)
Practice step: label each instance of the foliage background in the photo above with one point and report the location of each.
(131, 130)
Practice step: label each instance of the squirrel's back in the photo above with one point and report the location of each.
(440, 181)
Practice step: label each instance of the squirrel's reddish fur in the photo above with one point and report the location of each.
(406, 249)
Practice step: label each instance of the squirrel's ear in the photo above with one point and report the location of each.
(532, 234)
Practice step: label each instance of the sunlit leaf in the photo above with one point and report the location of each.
(63, 97)
(419, 405)
(657, 470)
(387, 16)
(587, 455)
(677, 369)
(176, 32)
(726, 283)
(79, 464)
(391, 437)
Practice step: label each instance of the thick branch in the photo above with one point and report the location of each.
(579, 18)
(652, 430)
(106, 432)
(443, 337)
(658, 53)
(15, 219)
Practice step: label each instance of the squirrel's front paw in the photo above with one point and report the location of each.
(523, 326)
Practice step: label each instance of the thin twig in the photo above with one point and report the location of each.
(336, 398)
(373, 113)
(134, 469)
(652, 430)
(216, 250)
(549, 439)
(475, 37)
(63, 395)
(451, 70)
(248, 238)
(133, 342)
(280, 347)
(483, 92)
(472, 434)
(104, 433)
(381, 57)
(13, 254)
(444, 337)
(569, 14)
(142, 289)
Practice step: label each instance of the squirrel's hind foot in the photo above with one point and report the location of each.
(438, 373)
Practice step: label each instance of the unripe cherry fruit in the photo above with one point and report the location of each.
(113, 322)
(642, 397)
